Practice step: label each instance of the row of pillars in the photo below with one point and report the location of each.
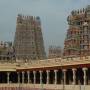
(47, 80)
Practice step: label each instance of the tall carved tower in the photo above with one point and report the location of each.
(77, 42)
(28, 42)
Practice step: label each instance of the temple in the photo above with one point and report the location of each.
(68, 72)
(28, 41)
(77, 41)
(50, 74)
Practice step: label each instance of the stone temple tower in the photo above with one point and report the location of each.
(77, 42)
(28, 42)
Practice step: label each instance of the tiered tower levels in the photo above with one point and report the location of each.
(28, 41)
(77, 42)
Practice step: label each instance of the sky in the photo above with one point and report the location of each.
(53, 14)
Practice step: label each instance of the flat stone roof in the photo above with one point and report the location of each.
(55, 63)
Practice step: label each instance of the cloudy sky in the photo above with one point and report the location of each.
(53, 14)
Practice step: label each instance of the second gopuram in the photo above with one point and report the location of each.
(77, 42)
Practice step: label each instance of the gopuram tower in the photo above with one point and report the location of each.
(28, 42)
(77, 42)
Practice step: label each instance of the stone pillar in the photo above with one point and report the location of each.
(8, 74)
(47, 76)
(18, 77)
(34, 73)
(28, 75)
(64, 76)
(40, 77)
(74, 76)
(85, 76)
(23, 76)
(55, 71)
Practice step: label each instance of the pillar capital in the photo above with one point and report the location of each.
(55, 70)
(84, 69)
(8, 73)
(34, 72)
(28, 72)
(47, 71)
(40, 71)
(23, 72)
(74, 69)
(17, 72)
(64, 70)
